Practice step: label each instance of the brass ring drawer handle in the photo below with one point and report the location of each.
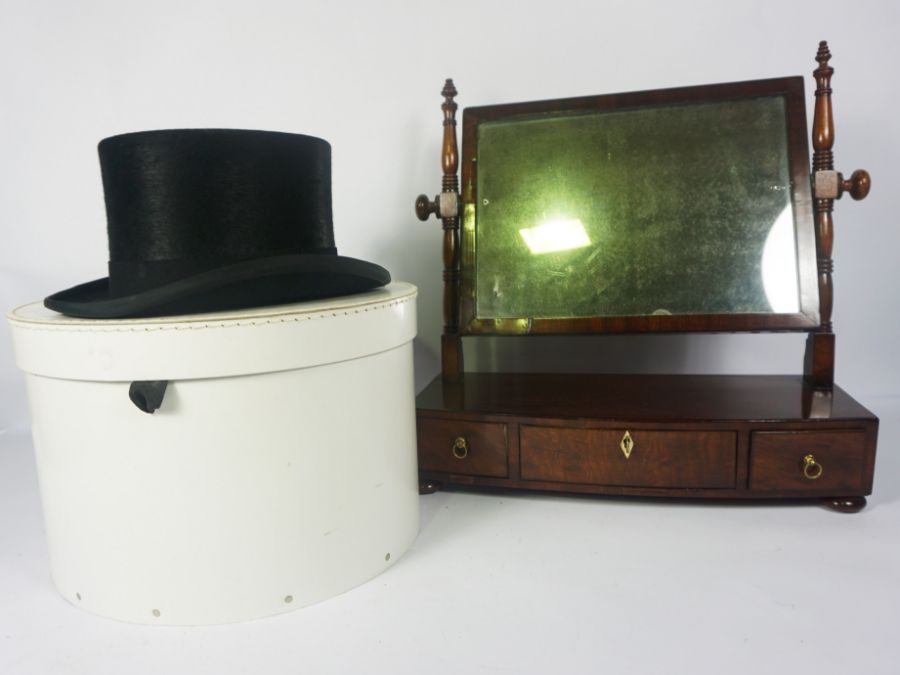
(460, 447)
(811, 468)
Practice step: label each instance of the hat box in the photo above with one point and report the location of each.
(278, 471)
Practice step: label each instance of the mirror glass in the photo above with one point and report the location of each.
(666, 209)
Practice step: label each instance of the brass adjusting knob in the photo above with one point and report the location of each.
(811, 468)
(460, 448)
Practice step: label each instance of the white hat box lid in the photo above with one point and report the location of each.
(280, 469)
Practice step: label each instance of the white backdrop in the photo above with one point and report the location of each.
(367, 75)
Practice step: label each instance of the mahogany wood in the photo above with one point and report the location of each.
(807, 319)
(451, 356)
(428, 487)
(819, 359)
(846, 504)
(666, 459)
(777, 460)
(858, 185)
(448, 212)
(666, 398)
(820, 371)
(818, 363)
(450, 223)
(714, 436)
(485, 453)
(426, 207)
(722, 437)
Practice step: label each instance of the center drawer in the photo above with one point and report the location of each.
(629, 457)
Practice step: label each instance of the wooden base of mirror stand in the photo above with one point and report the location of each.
(671, 436)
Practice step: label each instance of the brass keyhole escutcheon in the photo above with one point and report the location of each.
(811, 468)
(626, 445)
(460, 447)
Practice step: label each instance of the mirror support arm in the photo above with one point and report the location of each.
(827, 185)
(446, 206)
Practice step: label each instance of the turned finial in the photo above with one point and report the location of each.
(828, 183)
(823, 55)
(446, 204)
(449, 90)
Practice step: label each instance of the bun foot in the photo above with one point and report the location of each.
(427, 487)
(845, 504)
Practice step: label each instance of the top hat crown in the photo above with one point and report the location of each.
(214, 219)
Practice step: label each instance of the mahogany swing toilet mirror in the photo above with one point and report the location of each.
(675, 210)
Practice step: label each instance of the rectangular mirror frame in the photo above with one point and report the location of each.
(808, 317)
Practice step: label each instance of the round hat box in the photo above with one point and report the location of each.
(278, 471)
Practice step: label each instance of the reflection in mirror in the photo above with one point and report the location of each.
(778, 266)
(555, 235)
(666, 209)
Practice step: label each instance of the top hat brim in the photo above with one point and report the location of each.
(274, 280)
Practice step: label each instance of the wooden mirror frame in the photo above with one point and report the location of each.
(812, 201)
(790, 90)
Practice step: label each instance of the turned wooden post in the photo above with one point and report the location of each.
(828, 185)
(446, 206)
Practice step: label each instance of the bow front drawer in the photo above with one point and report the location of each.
(635, 457)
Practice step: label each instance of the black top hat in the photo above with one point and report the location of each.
(213, 219)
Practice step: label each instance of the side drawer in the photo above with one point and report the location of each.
(481, 452)
(664, 459)
(778, 461)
